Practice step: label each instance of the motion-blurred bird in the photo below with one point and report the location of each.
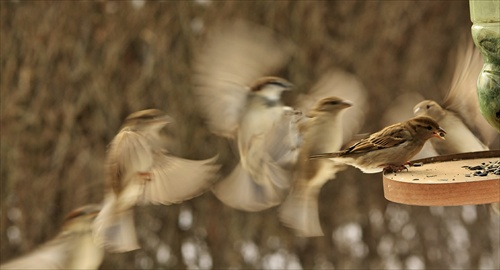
(72, 248)
(459, 113)
(141, 171)
(322, 133)
(266, 148)
(391, 148)
(240, 102)
(326, 127)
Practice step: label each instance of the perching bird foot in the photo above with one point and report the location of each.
(145, 175)
(396, 168)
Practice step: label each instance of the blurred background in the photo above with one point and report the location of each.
(72, 71)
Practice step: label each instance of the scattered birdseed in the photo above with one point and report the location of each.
(415, 179)
(418, 164)
(431, 175)
(467, 175)
(443, 179)
(485, 168)
(480, 173)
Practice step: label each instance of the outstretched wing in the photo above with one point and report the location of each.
(175, 179)
(230, 60)
(462, 96)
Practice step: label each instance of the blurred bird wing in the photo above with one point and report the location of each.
(114, 227)
(462, 96)
(232, 58)
(276, 143)
(51, 255)
(283, 141)
(129, 152)
(241, 191)
(300, 211)
(401, 108)
(262, 177)
(175, 179)
(222, 103)
(386, 138)
(343, 85)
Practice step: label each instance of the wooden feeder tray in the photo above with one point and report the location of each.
(442, 180)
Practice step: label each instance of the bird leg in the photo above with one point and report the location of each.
(395, 168)
(146, 176)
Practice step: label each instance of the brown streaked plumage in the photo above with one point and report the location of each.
(141, 171)
(391, 147)
(72, 248)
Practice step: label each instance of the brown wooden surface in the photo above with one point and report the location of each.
(444, 181)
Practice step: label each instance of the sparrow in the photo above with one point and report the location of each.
(322, 133)
(325, 127)
(141, 171)
(265, 147)
(72, 248)
(389, 149)
(241, 102)
(459, 113)
(402, 109)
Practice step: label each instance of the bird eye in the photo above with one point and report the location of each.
(429, 127)
(428, 106)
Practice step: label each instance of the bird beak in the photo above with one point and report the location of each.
(163, 120)
(440, 134)
(346, 103)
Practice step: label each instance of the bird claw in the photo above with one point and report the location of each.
(396, 168)
(145, 175)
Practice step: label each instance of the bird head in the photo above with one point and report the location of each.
(150, 119)
(429, 108)
(331, 105)
(426, 128)
(270, 87)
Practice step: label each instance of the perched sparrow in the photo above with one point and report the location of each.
(401, 109)
(389, 148)
(459, 113)
(239, 102)
(140, 171)
(72, 248)
(322, 133)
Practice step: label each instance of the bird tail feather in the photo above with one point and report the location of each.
(241, 191)
(300, 211)
(325, 155)
(114, 228)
